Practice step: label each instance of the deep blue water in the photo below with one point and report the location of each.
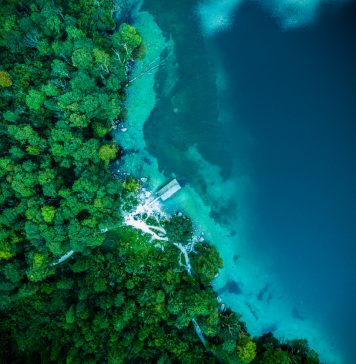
(295, 94)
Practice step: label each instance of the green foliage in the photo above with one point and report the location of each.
(179, 229)
(129, 35)
(131, 184)
(6, 251)
(100, 130)
(271, 351)
(39, 267)
(56, 193)
(82, 58)
(70, 315)
(35, 99)
(272, 356)
(5, 79)
(48, 213)
(246, 352)
(107, 152)
(101, 58)
(206, 263)
(127, 40)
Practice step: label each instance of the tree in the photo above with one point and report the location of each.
(74, 33)
(13, 272)
(246, 352)
(131, 184)
(78, 120)
(6, 250)
(127, 39)
(83, 82)
(35, 99)
(5, 79)
(48, 213)
(179, 229)
(206, 262)
(82, 58)
(39, 267)
(100, 130)
(107, 152)
(102, 59)
(274, 356)
(59, 68)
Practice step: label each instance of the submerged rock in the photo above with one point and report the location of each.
(296, 314)
(231, 286)
(261, 294)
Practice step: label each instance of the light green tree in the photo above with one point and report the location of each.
(35, 99)
(107, 152)
(48, 213)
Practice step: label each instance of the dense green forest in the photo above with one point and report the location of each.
(76, 284)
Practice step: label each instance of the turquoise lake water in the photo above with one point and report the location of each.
(255, 115)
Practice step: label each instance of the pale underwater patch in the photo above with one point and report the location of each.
(217, 15)
(293, 13)
(296, 13)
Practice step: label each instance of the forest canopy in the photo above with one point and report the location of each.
(76, 284)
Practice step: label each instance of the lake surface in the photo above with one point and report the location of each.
(259, 123)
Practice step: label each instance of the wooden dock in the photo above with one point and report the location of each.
(166, 192)
(169, 190)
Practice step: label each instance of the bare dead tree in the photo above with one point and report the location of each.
(185, 251)
(148, 69)
(117, 54)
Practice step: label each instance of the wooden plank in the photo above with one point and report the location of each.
(170, 192)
